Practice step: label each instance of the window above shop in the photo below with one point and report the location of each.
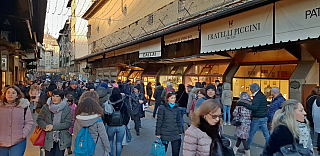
(174, 70)
(124, 73)
(208, 69)
(266, 71)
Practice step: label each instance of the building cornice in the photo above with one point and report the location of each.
(94, 8)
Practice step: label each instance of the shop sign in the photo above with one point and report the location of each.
(182, 36)
(150, 48)
(297, 20)
(247, 29)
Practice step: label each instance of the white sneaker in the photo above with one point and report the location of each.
(224, 123)
(229, 124)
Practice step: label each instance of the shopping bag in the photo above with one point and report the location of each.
(38, 136)
(145, 106)
(158, 148)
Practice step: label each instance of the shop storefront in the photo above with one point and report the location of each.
(135, 75)
(123, 75)
(150, 74)
(173, 74)
(205, 73)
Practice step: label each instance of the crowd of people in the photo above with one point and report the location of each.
(65, 109)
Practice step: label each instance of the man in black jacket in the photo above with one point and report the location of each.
(74, 90)
(259, 110)
(157, 96)
(135, 101)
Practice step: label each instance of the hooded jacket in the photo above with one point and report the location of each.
(316, 114)
(14, 125)
(182, 96)
(103, 95)
(227, 95)
(168, 124)
(45, 118)
(157, 95)
(192, 96)
(97, 131)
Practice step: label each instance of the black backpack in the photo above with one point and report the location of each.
(116, 118)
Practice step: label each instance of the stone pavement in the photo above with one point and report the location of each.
(141, 145)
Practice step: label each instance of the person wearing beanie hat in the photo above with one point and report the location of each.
(189, 88)
(115, 85)
(135, 100)
(74, 90)
(210, 94)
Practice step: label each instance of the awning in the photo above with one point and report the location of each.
(126, 50)
(297, 20)
(182, 36)
(95, 58)
(150, 48)
(243, 30)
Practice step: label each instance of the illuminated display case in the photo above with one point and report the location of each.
(172, 74)
(267, 76)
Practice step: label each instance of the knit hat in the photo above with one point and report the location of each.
(190, 86)
(210, 86)
(158, 84)
(52, 87)
(137, 87)
(105, 85)
(73, 82)
(116, 95)
(115, 85)
(254, 86)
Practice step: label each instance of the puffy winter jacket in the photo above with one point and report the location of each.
(227, 95)
(196, 142)
(14, 125)
(157, 95)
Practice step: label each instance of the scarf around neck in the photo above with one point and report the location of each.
(56, 110)
(171, 105)
(304, 137)
(213, 133)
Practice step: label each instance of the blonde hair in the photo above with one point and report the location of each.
(286, 116)
(87, 94)
(205, 108)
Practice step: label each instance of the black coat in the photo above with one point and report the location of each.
(182, 99)
(149, 90)
(168, 123)
(124, 111)
(76, 93)
(157, 95)
(280, 136)
(134, 103)
(309, 104)
(259, 106)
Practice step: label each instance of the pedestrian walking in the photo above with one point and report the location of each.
(226, 101)
(316, 117)
(157, 97)
(149, 92)
(259, 110)
(16, 122)
(210, 94)
(277, 100)
(55, 118)
(168, 126)
(103, 95)
(182, 100)
(200, 92)
(127, 88)
(202, 137)
(218, 89)
(87, 114)
(73, 107)
(136, 100)
(167, 90)
(116, 122)
(309, 104)
(74, 90)
(288, 127)
(242, 131)
(34, 96)
(87, 94)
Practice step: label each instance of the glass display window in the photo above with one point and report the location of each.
(176, 80)
(174, 70)
(135, 75)
(148, 79)
(123, 75)
(266, 71)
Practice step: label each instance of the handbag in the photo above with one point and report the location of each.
(145, 106)
(294, 150)
(38, 135)
(236, 120)
(158, 148)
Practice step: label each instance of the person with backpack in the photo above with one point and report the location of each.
(88, 119)
(135, 101)
(117, 121)
(55, 118)
(15, 117)
(167, 90)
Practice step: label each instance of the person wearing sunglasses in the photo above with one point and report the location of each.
(202, 137)
(168, 126)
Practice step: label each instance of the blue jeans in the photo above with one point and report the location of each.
(226, 110)
(119, 131)
(182, 110)
(15, 150)
(255, 125)
(155, 111)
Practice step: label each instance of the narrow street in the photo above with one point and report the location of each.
(141, 145)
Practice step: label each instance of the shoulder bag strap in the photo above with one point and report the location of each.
(180, 96)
